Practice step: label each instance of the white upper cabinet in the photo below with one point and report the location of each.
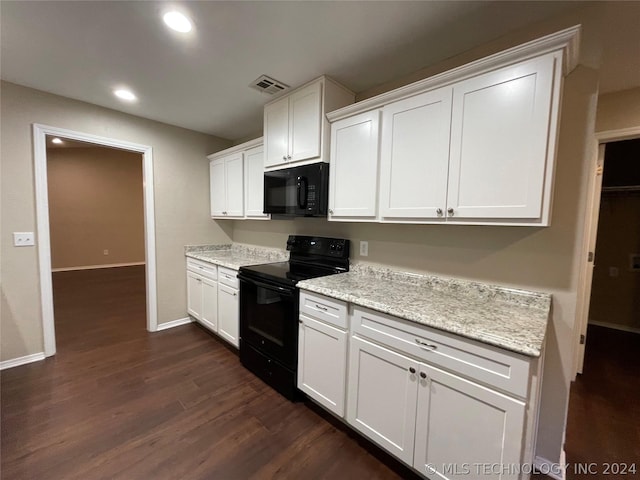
(415, 156)
(237, 181)
(227, 186)
(276, 132)
(254, 183)
(305, 117)
(474, 145)
(235, 185)
(295, 128)
(499, 139)
(353, 176)
(217, 182)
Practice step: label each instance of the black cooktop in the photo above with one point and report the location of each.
(287, 272)
(310, 257)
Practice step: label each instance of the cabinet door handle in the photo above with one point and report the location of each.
(288, 157)
(284, 157)
(426, 346)
(412, 370)
(324, 309)
(450, 211)
(300, 322)
(423, 375)
(330, 211)
(439, 212)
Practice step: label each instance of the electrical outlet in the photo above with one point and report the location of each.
(23, 239)
(105, 252)
(364, 248)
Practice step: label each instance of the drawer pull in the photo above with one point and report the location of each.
(324, 309)
(423, 375)
(412, 370)
(426, 346)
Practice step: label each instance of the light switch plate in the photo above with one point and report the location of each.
(23, 239)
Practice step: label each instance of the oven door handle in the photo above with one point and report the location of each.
(284, 291)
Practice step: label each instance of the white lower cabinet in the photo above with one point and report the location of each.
(437, 422)
(209, 316)
(213, 299)
(228, 307)
(322, 355)
(322, 350)
(382, 397)
(464, 429)
(194, 295)
(202, 293)
(450, 407)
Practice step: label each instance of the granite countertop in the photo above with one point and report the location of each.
(515, 320)
(235, 255)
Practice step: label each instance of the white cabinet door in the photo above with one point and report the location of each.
(209, 316)
(460, 423)
(414, 156)
(234, 181)
(353, 185)
(194, 295)
(218, 187)
(305, 115)
(228, 314)
(276, 132)
(254, 183)
(322, 363)
(499, 134)
(382, 396)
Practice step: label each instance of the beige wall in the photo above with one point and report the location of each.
(616, 299)
(181, 184)
(542, 259)
(619, 110)
(95, 204)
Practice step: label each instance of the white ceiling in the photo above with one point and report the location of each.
(84, 50)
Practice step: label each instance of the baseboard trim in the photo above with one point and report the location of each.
(174, 323)
(16, 362)
(557, 471)
(94, 267)
(615, 326)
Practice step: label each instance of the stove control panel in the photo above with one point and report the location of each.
(318, 246)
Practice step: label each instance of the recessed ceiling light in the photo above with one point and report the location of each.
(125, 95)
(56, 140)
(177, 21)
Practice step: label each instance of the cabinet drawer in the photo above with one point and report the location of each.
(228, 277)
(329, 310)
(483, 363)
(205, 269)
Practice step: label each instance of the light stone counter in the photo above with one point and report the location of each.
(512, 319)
(235, 255)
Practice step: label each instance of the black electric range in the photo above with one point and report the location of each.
(269, 307)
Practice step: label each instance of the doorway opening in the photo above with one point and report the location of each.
(96, 231)
(603, 423)
(44, 231)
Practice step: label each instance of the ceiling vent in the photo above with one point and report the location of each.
(268, 85)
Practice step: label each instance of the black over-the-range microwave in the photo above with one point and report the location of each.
(297, 191)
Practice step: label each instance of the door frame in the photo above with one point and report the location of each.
(40, 133)
(590, 232)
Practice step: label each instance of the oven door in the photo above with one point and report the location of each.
(269, 319)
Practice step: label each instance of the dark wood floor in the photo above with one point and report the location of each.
(119, 403)
(604, 407)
